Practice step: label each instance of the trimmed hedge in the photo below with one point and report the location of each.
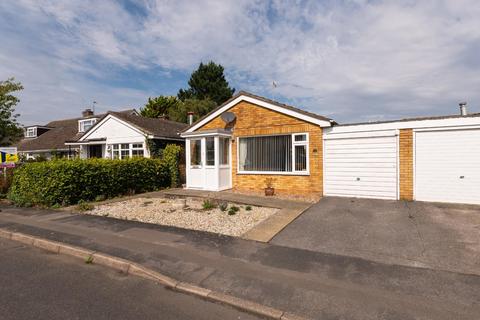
(66, 182)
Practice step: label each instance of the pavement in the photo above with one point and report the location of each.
(308, 283)
(40, 285)
(419, 234)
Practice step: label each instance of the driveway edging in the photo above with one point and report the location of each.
(135, 269)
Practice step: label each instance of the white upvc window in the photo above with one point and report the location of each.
(196, 153)
(84, 125)
(127, 150)
(274, 154)
(31, 132)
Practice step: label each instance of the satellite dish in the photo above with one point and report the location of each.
(228, 117)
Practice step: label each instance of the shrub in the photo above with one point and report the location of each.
(233, 210)
(248, 208)
(84, 206)
(171, 157)
(69, 181)
(208, 204)
(223, 206)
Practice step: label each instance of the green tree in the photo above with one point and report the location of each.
(207, 82)
(10, 131)
(198, 107)
(159, 106)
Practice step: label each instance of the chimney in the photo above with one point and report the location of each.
(463, 108)
(87, 113)
(190, 117)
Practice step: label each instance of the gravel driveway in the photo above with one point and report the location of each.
(193, 216)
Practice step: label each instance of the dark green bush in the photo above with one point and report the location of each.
(233, 210)
(67, 182)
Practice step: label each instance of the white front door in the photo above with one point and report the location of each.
(361, 167)
(447, 166)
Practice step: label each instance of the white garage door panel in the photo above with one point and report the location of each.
(361, 167)
(441, 158)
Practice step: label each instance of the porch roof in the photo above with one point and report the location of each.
(206, 133)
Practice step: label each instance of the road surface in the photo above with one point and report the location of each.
(38, 285)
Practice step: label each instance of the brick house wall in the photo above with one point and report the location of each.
(254, 120)
(406, 164)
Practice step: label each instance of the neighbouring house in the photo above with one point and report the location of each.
(249, 138)
(49, 140)
(119, 135)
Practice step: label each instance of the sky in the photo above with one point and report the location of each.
(352, 61)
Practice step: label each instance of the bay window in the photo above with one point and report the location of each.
(281, 154)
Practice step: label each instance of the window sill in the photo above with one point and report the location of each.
(273, 173)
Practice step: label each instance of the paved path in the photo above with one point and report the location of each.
(38, 285)
(312, 284)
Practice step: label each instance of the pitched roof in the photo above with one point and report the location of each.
(154, 126)
(55, 138)
(251, 95)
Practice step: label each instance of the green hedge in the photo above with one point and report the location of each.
(66, 182)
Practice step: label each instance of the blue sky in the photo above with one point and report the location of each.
(350, 60)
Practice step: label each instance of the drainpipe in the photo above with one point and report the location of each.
(190, 117)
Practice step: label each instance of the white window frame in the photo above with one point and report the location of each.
(137, 149)
(305, 143)
(81, 124)
(31, 132)
(120, 149)
(197, 166)
(229, 148)
(288, 173)
(214, 153)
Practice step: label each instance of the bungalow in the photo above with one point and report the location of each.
(49, 140)
(119, 135)
(110, 135)
(249, 138)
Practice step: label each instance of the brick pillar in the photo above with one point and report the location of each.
(406, 164)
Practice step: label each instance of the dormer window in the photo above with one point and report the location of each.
(84, 125)
(31, 132)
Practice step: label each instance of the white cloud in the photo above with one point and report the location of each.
(352, 60)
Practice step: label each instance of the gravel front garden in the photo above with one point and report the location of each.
(197, 214)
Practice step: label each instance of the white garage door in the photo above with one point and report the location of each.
(447, 166)
(361, 167)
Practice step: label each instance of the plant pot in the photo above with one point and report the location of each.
(269, 191)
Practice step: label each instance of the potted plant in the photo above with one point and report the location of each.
(269, 190)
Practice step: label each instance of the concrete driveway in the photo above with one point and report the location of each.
(420, 234)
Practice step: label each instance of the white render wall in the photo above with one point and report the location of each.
(115, 132)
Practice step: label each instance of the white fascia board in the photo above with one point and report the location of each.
(164, 138)
(321, 123)
(208, 134)
(414, 124)
(99, 124)
(85, 143)
(369, 134)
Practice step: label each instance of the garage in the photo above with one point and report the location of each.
(447, 166)
(356, 165)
